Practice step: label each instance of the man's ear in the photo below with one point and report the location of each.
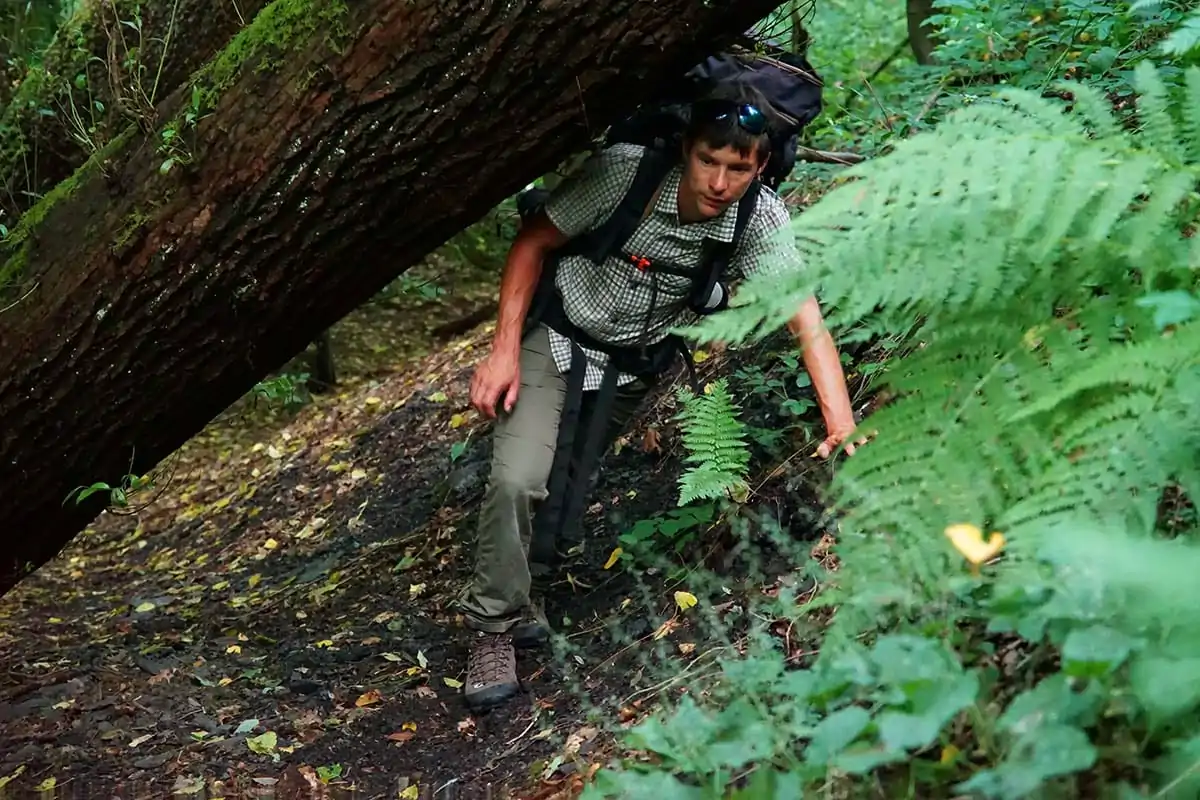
(763, 165)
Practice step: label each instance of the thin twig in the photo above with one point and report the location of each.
(522, 733)
(583, 105)
(827, 156)
(19, 300)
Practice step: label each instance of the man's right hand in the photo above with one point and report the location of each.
(499, 375)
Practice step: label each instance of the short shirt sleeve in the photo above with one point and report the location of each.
(587, 198)
(768, 246)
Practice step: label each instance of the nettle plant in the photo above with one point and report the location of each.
(1052, 396)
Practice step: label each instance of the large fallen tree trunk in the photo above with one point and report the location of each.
(175, 270)
(110, 65)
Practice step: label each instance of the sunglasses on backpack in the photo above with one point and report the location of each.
(749, 117)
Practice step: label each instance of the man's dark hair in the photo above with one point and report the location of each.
(715, 121)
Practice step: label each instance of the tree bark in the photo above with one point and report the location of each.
(131, 55)
(152, 300)
(921, 38)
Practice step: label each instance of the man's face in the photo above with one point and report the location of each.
(713, 180)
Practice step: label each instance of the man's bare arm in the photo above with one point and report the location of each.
(522, 269)
(499, 375)
(825, 367)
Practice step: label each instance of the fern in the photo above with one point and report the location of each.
(1185, 39)
(714, 438)
(1027, 236)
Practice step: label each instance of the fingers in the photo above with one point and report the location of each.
(510, 397)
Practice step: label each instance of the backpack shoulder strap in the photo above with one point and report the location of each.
(610, 236)
(718, 255)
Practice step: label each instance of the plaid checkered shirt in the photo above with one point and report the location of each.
(612, 301)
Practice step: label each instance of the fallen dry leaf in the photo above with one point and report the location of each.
(612, 559)
(368, 698)
(685, 600)
(652, 441)
(576, 739)
(401, 736)
(466, 726)
(665, 628)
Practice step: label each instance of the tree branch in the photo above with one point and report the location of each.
(827, 156)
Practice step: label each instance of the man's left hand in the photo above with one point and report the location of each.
(837, 435)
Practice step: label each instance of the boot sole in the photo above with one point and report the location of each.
(527, 637)
(491, 697)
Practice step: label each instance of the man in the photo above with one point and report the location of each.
(604, 338)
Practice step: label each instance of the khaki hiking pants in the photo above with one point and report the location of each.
(522, 455)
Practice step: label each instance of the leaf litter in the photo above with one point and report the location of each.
(287, 604)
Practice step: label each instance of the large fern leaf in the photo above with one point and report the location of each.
(714, 440)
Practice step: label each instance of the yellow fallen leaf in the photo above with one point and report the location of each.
(144, 607)
(612, 559)
(254, 579)
(234, 648)
(47, 785)
(949, 753)
(685, 600)
(415, 589)
(55, 621)
(409, 794)
(324, 643)
(368, 698)
(9, 778)
(373, 401)
(391, 657)
(224, 681)
(687, 648)
(409, 726)
(968, 540)
(437, 397)
(699, 357)
(270, 544)
(453, 684)
(457, 420)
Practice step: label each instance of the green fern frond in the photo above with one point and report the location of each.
(1190, 125)
(714, 441)
(1093, 105)
(999, 201)
(1158, 128)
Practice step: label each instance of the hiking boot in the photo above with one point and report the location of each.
(491, 672)
(533, 630)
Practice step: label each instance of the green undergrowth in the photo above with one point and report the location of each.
(1008, 610)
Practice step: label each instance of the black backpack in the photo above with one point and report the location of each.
(786, 80)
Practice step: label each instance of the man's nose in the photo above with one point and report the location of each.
(718, 182)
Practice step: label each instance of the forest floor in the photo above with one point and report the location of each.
(278, 620)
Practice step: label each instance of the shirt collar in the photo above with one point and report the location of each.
(719, 228)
